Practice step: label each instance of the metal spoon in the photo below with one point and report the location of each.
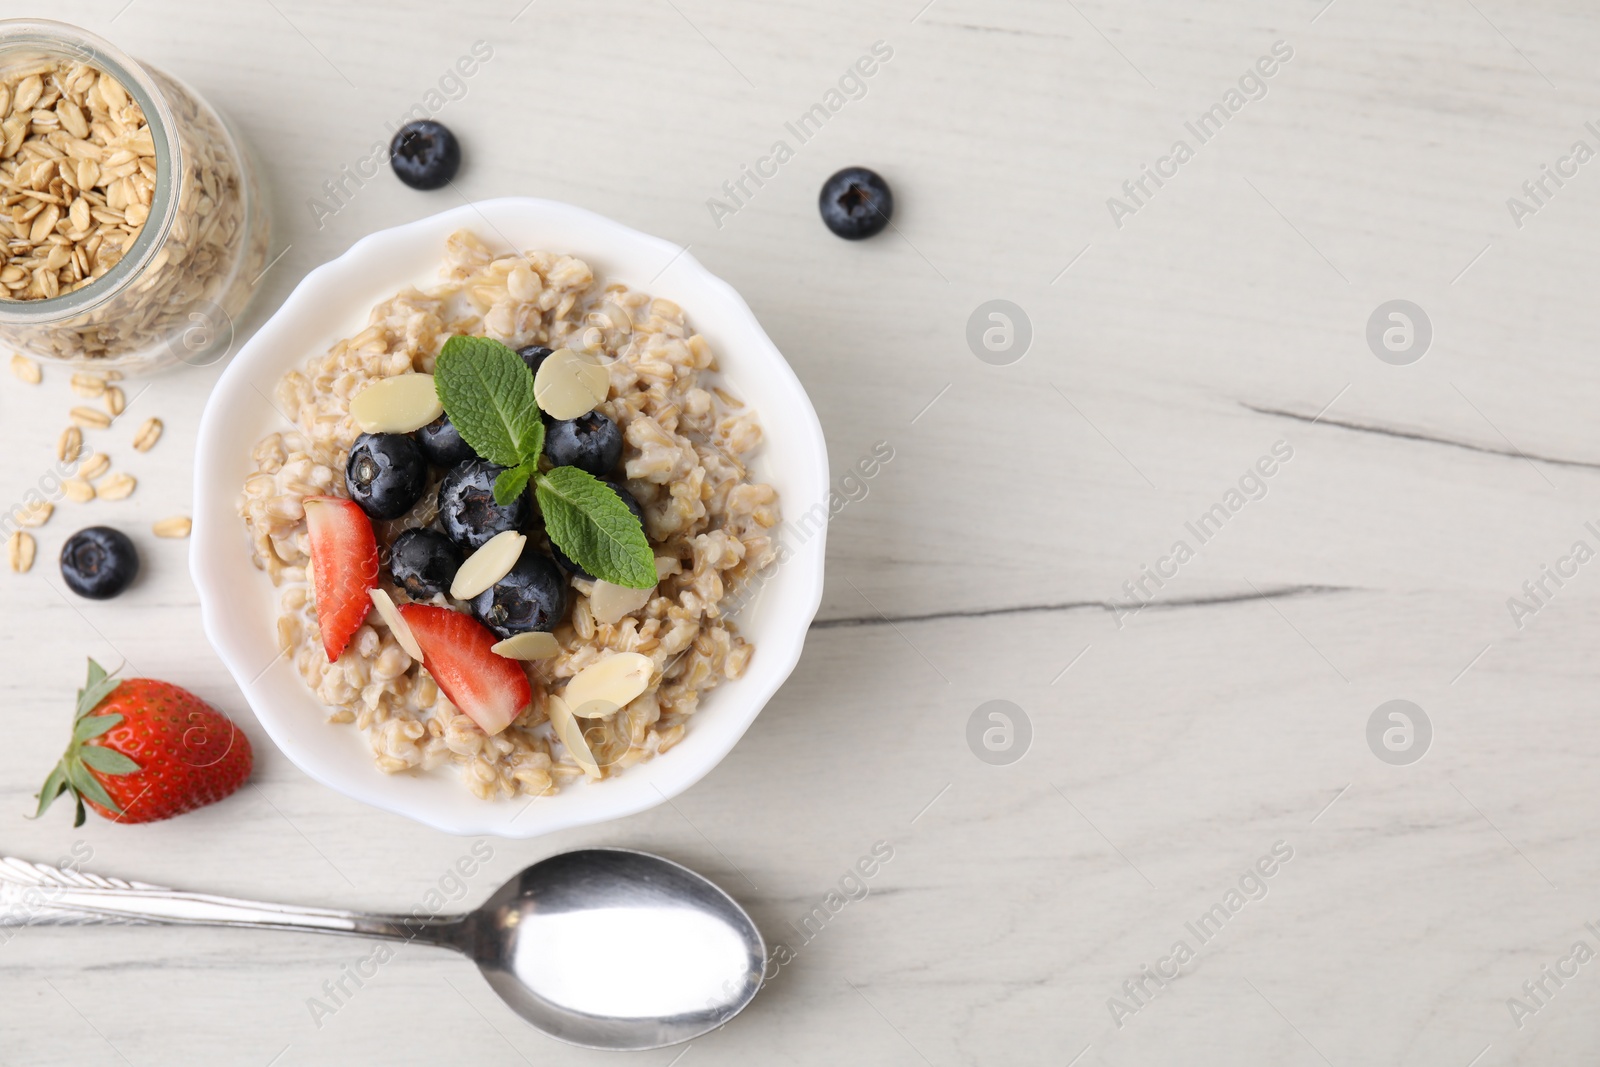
(606, 948)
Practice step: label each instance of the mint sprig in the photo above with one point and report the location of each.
(589, 522)
(487, 391)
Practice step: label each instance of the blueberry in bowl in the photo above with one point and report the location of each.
(441, 443)
(425, 154)
(467, 509)
(534, 356)
(424, 562)
(532, 596)
(99, 562)
(856, 203)
(386, 474)
(589, 442)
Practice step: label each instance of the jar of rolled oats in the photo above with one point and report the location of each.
(132, 223)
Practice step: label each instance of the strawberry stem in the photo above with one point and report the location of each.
(75, 772)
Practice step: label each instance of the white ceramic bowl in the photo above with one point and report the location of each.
(239, 601)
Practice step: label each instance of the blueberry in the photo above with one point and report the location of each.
(533, 356)
(856, 203)
(589, 442)
(532, 597)
(424, 155)
(467, 508)
(627, 499)
(566, 561)
(424, 563)
(386, 474)
(99, 562)
(441, 442)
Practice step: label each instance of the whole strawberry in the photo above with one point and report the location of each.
(144, 750)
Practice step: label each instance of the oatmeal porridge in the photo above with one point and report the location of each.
(357, 503)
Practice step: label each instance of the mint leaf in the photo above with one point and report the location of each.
(513, 480)
(487, 391)
(591, 524)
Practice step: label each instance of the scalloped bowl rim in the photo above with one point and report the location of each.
(238, 602)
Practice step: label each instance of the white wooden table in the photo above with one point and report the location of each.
(1169, 749)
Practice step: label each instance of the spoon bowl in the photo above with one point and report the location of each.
(606, 948)
(614, 949)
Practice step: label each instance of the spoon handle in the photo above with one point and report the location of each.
(35, 894)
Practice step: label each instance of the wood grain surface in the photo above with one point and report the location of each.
(1177, 341)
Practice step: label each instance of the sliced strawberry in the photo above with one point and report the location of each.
(344, 565)
(456, 650)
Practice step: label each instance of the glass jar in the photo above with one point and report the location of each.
(105, 298)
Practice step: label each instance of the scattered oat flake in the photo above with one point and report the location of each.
(117, 487)
(94, 466)
(71, 445)
(20, 547)
(35, 514)
(148, 435)
(177, 527)
(88, 385)
(90, 418)
(116, 401)
(77, 490)
(26, 369)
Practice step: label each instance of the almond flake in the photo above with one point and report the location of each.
(401, 404)
(605, 687)
(396, 623)
(26, 369)
(570, 735)
(611, 603)
(569, 384)
(176, 528)
(490, 563)
(535, 644)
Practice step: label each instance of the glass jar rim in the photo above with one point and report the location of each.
(60, 39)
